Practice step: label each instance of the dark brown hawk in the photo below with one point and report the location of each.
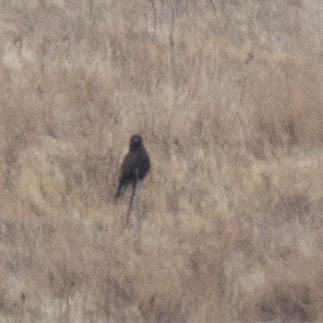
(135, 166)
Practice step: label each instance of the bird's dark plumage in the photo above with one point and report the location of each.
(135, 165)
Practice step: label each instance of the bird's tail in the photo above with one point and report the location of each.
(121, 189)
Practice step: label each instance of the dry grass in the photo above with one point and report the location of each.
(228, 97)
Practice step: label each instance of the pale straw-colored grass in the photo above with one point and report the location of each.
(228, 98)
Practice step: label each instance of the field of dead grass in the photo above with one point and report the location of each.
(228, 97)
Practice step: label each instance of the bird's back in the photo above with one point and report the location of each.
(136, 163)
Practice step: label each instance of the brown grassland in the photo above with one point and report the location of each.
(228, 97)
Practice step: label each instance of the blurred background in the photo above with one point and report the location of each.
(227, 95)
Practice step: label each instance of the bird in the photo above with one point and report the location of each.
(134, 168)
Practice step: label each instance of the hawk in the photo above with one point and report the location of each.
(134, 168)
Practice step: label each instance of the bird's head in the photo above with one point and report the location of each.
(135, 142)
